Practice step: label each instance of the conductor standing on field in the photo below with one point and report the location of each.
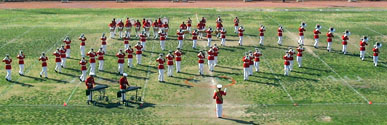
(218, 96)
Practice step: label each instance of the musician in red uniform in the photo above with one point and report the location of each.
(62, 51)
(209, 36)
(112, 27)
(201, 57)
(128, 26)
(183, 28)
(137, 28)
(165, 27)
(178, 55)
(161, 62)
(240, 34)
(89, 82)
(363, 43)
(218, 96)
(376, 53)
(223, 36)
(21, 57)
(201, 29)
(162, 39)
(44, 59)
(211, 59)
(219, 26)
(120, 28)
(246, 66)
(194, 38)
(82, 45)
(251, 63)
(143, 40)
(100, 54)
(123, 85)
(262, 29)
(138, 52)
(286, 63)
(189, 24)
(156, 28)
(203, 20)
(92, 56)
(67, 41)
(301, 31)
(83, 64)
(126, 41)
(236, 24)
(121, 60)
(291, 54)
(170, 58)
(103, 42)
(256, 55)
(345, 39)
(180, 35)
(300, 49)
(316, 31)
(146, 27)
(216, 52)
(280, 30)
(329, 38)
(58, 61)
(7, 60)
(130, 56)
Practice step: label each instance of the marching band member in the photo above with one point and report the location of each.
(329, 38)
(300, 49)
(216, 52)
(123, 84)
(376, 53)
(83, 39)
(201, 29)
(218, 96)
(209, 36)
(21, 57)
(170, 58)
(246, 66)
(240, 34)
(201, 57)
(58, 61)
(165, 27)
(143, 21)
(143, 39)
(120, 28)
(155, 26)
(280, 30)
(286, 63)
(90, 85)
(138, 52)
(180, 35)
(161, 61)
(162, 39)
(7, 60)
(112, 27)
(183, 28)
(67, 41)
(236, 24)
(211, 59)
(223, 37)
(44, 59)
(301, 33)
(194, 38)
(121, 61)
(257, 54)
(83, 64)
(203, 20)
(189, 24)
(251, 63)
(291, 53)
(128, 26)
(103, 42)
(126, 41)
(345, 39)
(146, 27)
(262, 29)
(219, 26)
(130, 56)
(62, 51)
(100, 54)
(316, 36)
(178, 55)
(363, 43)
(92, 56)
(137, 29)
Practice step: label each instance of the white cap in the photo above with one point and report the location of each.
(125, 74)
(219, 86)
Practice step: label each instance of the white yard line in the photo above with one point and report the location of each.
(147, 75)
(308, 49)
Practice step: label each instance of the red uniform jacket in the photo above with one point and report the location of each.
(194, 36)
(329, 36)
(89, 82)
(83, 65)
(162, 36)
(301, 31)
(100, 55)
(137, 24)
(246, 62)
(236, 22)
(376, 51)
(286, 62)
(201, 58)
(121, 57)
(44, 61)
(183, 26)
(189, 22)
(62, 53)
(178, 55)
(345, 39)
(218, 96)
(261, 32)
(210, 55)
(240, 32)
(126, 40)
(161, 63)
(130, 52)
(21, 58)
(155, 24)
(256, 56)
(216, 51)
(123, 82)
(223, 34)
(67, 44)
(103, 39)
(219, 25)
(138, 47)
(128, 24)
(316, 32)
(291, 56)
(147, 24)
(8, 64)
(165, 25)
(299, 52)
(279, 32)
(200, 26)
(120, 24)
(180, 36)
(92, 56)
(83, 41)
(170, 59)
(143, 38)
(209, 33)
(57, 57)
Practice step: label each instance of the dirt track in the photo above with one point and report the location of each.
(201, 4)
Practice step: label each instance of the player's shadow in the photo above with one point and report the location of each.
(230, 73)
(106, 79)
(112, 73)
(35, 78)
(323, 70)
(312, 74)
(140, 69)
(175, 84)
(266, 83)
(58, 80)
(72, 69)
(22, 84)
(43, 79)
(228, 49)
(226, 67)
(240, 121)
(186, 73)
(72, 58)
(68, 74)
(260, 76)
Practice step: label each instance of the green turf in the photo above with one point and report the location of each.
(323, 96)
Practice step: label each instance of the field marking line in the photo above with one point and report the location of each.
(326, 64)
(279, 80)
(147, 74)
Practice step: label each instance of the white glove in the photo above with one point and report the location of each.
(225, 89)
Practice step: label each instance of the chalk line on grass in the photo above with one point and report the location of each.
(147, 75)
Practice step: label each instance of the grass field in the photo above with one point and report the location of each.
(332, 88)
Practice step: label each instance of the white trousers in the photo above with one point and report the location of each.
(111, 34)
(58, 67)
(162, 44)
(301, 40)
(219, 109)
(170, 70)
(240, 40)
(261, 38)
(286, 69)
(256, 64)
(215, 60)
(100, 66)
(194, 43)
(209, 40)
(211, 65)
(235, 29)
(120, 33)
(92, 68)
(83, 75)
(127, 32)
(122, 95)
(223, 41)
(103, 48)
(82, 51)
(344, 49)
(201, 68)
(121, 68)
(21, 69)
(362, 53)
(291, 65)
(126, 46)
(251, 70)
(280, 40)
(68, 52)
(143, 45)
(63, 62)
(130, 62)
(299, 61)
(246, 73)
(180, 45)
(161, 74)
(178, 64)
(44, 71)
(138, 56)
(189, 29)
(315, 42)
(329, 47)
(376, 60)
(8, 76)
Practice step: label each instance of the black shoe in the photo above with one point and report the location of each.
(128, 66)
(40, 76)
(56, 71)
(46, 77)
(6, 79)
(315, 47)
(62, 66)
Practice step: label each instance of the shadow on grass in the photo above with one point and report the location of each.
(260, 76)
(67, 74)
(175, 84)
(112, 73)
(106, 79)
(43, 79)
(22, 84)
(108, 105)
(323, 70)
(282, 76)
(72, 69)
(227, 72)
(313, 74)
(266, 83)
(228, 67)
(240, 121)
(146, 105)
(139, 69)
(74, 58)
(35, 78)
